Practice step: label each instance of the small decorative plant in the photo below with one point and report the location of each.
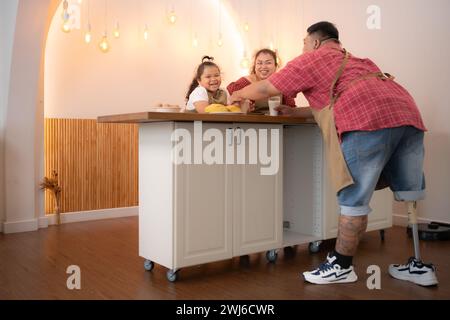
(52, 185)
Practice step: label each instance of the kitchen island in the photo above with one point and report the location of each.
(213, 187)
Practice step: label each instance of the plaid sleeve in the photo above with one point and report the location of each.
(288, 101)
(238, 85)
(297, 76)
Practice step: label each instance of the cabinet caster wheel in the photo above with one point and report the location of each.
(314, 247)
(271, 255)
(172, 275)
(382, 232)
(148, 265)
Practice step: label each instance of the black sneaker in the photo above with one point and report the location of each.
(415, 271)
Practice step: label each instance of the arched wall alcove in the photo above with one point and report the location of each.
(97, 163)
(24, 121)
(23, 206)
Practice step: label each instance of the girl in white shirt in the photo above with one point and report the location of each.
(205, 87)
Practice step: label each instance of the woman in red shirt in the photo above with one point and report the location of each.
(264, 65)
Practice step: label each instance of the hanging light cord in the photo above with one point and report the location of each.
(89, 12)
(106, 14)
(220, 18)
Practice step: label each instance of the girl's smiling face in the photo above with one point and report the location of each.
(210, 79)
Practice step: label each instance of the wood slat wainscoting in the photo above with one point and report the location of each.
(97, 164)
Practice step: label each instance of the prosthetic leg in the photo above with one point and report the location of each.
(415, 270)
(412, 219)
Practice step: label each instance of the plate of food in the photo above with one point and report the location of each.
(222, 109)
(228, 112)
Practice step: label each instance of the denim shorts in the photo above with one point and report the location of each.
(396, 154)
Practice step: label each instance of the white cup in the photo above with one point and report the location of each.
(273, 103)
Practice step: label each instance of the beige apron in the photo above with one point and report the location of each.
(338, 169)
(219, 97)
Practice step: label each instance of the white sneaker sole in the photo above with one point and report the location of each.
(352, 277)
(426, 280)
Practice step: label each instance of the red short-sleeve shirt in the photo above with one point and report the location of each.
(368, 105)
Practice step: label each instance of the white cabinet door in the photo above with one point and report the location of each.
(229, 209)
(257, 188)
(203, 202)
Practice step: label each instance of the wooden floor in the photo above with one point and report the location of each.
(33, 266)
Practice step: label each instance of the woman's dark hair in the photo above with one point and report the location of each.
(206, 62)
(265, 51)
(325, 30)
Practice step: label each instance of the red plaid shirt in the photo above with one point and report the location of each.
(243, 82)
(368, 105)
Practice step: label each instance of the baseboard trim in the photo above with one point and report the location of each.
(67, 217)
(402, 220)
(71, 217)
(42, 222)
(20, 226)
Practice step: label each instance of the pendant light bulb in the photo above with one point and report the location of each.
(172, 16)
(88, 35)
(220, 41)
(65, 27)
(245, 63)
(246, 27)
(271, 46)
(146, 33)
(104, 44)
(116, 31)
(195, 41)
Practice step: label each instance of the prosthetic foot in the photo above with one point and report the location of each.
(415, 270)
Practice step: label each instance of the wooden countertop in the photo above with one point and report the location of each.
(144, 117)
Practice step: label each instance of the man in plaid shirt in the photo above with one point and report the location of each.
(381, 133)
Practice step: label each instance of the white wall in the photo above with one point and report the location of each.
(24, 119)
(83, 82)
(8, 12)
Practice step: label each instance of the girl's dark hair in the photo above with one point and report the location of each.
(265, 51)
(207, 61)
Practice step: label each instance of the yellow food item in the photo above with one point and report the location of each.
(234, 109)
(216, 108)
(212, 108)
